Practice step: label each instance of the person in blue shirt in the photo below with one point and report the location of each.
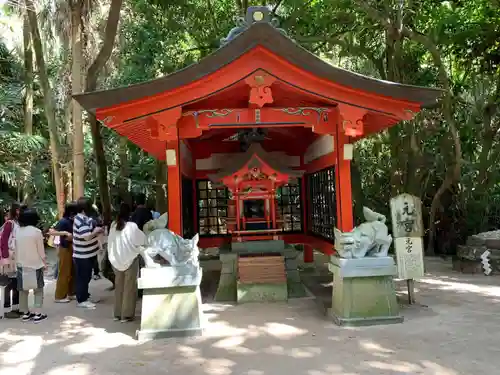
(64, 229)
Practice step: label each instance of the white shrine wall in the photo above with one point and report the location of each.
(219, 161)
(324, 145)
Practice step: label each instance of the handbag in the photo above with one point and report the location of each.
(54, 241)
(28, 278)
(8, 265)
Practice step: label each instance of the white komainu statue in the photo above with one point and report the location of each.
(177, 251)
(370, 239)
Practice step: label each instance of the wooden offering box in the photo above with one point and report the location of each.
(261, 269)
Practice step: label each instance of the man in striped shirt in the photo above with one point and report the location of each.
(85, 249)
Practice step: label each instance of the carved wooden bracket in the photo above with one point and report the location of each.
(352, 119)
(163, 125)
(260, 88)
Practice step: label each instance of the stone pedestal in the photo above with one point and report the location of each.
(262, 292)
(226, 290)
(171, 303)
(363, 291)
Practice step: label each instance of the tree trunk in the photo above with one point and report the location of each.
(161, 187)
(49, 106)
(77, 88)
(28, 98)
(68, 171)
(28, 77)
(124, 172)
(91, 85)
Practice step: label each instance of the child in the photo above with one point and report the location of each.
(31, 262)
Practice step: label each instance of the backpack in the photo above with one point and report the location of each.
(8, 266)
(12, 236)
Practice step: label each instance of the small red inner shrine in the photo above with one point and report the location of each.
(258, 136)
(254, 177)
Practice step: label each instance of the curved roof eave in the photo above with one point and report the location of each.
(269, 37)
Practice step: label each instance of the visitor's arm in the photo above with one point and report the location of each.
(55, 232)
(4, 241)
(61, 229)
(138, 237)
(91, 233)
(41, 249)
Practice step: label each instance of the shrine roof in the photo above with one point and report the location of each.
(265, 35)
(239, 161)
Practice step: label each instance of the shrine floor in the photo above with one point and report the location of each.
(457, 334)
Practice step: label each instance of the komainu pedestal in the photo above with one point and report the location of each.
(363, 291)
(171, 303)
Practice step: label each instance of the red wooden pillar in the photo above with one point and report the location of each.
(273, 209)
(308, 254)
(238, 214)
(304, 196)
(349, 124)
(195, 198)
(174, 187)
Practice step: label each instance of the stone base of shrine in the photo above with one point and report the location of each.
(171, 303)
(363, 291)
(230, 290)
(262, 292)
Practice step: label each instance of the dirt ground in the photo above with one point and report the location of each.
(456, 334)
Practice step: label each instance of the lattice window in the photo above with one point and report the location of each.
(289, 207)
(212, 208)
(322, 206)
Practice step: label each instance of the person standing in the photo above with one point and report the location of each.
(96, 216)
(65, 284)
(85, 249)
(31, 263)
(8, 262)
(124, 244)
(142, 214)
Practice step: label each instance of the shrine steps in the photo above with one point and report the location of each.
(258, 271)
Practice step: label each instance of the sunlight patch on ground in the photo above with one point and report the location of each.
(375, 349)
(487, 290)
(25, 368)
(282, 331)
(73, 369)
(299, 353)
(398, 367)
(213, 366)
(23, 349)
(98, 340)
(438, 369)
(233, 344)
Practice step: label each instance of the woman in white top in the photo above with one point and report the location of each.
(31, 263)
(124, 243)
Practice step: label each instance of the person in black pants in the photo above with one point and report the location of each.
(99, 222)
(85, 249)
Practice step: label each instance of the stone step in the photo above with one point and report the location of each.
(258, 246)
(266, 269)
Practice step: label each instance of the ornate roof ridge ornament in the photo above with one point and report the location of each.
(255, 14)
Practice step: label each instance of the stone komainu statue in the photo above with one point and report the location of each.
(172, 249)
(370, 239)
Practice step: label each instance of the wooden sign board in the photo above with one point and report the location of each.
(409, 257)
(406, 214)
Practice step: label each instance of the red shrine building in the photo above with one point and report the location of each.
(258, 136)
